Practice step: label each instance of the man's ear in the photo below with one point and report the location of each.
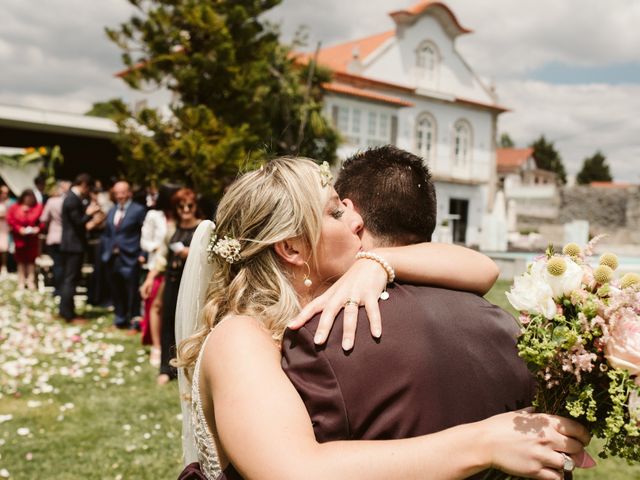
(291, 251)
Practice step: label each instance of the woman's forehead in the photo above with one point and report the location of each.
(330, 196)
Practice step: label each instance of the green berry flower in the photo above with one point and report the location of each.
(572, 249)
(630, 279)
(556, 266)
(610, 260)
(603, 274)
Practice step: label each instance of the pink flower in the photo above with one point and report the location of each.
(622, 348)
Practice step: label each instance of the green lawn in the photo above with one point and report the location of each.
(82, 403)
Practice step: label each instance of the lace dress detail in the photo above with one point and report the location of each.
(204, 439)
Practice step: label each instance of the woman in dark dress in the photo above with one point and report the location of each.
(184, 203)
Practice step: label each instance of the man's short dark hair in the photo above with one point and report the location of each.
(393, 191)
(82, 179)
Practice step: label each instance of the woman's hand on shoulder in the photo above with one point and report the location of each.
(360, 286)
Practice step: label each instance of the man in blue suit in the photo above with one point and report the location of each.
(120, 252)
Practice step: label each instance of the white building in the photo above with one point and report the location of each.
(410, 87)
(532, 192)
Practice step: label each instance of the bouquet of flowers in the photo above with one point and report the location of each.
(581, 339)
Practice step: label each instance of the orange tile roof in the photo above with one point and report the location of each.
(421, 7)
(510, 159)
(360, 81)
(611, 184)
(475, 103)
(358, 92)
(338, 57)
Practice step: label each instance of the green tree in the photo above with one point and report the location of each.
(548, 158)
(505, 141)
(240, 95)
(594, 169)
(109, 109)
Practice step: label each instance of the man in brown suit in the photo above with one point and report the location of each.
(446, 357)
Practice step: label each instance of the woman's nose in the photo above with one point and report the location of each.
(355, 220)
(356, 224)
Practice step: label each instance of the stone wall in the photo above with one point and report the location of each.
(614, 211)
(601, 207)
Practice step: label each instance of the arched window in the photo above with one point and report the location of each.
(427, 59)
(462, 143)
(425, 136)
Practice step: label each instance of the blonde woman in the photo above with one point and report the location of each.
(282, 237)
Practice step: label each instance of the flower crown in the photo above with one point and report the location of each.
(325, 174)
(227, 248)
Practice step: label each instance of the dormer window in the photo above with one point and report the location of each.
(462, 143)
(427, 59)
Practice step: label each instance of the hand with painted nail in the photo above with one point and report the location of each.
(360, 286)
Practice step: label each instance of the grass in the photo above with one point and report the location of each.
(106, 420)
(91, 405)
(610, 468)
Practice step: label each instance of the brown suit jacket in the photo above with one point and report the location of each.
(445, 358)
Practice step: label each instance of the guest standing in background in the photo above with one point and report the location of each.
(121, 251)
(41, 195)
(98, 291)
(76, 213)
(4, 228)
(157, 225)
(24, 221)
(52, 219)
(185, 208)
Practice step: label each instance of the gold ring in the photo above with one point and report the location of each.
(351, 301)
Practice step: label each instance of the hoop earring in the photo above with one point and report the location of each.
(307, 281)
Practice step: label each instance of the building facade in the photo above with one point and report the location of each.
(410, 87)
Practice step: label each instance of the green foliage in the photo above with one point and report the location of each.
(49, 156)
(239, 95)
(505, 141)
(110, 109)
(594, 169)
(548, 158)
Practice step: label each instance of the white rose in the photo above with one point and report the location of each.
(566, 283)
(531, 293)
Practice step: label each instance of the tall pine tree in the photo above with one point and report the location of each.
(548, 158)
(505, 141)
(239, 95)
(594, 169)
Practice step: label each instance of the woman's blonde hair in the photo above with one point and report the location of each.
(282, 200)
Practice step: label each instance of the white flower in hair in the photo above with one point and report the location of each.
(227, 248)
(325, 174)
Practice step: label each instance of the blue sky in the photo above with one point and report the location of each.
(613, 74)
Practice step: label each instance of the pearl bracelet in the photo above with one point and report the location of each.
(391, 274)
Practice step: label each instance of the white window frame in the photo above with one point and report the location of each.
(425, 138)
(363, 125)
(428, 61)
(462, 147)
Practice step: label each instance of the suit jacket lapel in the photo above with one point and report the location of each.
(111, 216)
